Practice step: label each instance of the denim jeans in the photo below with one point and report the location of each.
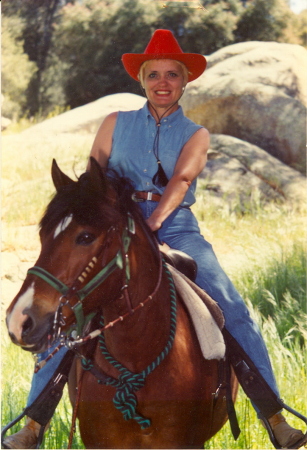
(181, 232)
(41, 378)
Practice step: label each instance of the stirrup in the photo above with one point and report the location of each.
(300, 442)
(257, 389)
(18, 419)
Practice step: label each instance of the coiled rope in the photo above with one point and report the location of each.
(128, 383)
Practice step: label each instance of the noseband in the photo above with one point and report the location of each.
(120, 260)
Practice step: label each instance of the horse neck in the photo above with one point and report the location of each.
(142, 335)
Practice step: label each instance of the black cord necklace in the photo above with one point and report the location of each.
(159, 179)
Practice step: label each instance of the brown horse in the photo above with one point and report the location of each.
(158, 391)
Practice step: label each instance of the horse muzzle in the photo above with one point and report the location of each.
(29, 332)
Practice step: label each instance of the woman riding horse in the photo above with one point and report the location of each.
(163, 153)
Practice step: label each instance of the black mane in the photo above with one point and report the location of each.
(90, 207)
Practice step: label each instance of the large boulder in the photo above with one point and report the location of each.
(86, 119)
(239, 172)
(255, 91)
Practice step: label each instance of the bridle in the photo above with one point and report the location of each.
(81, 291)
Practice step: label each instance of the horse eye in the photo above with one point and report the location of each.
(85, 238)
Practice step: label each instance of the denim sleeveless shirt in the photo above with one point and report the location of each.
(132, 148)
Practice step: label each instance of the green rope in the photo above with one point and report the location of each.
(128, 383)
(87, 364)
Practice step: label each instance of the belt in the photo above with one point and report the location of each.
(142, 196)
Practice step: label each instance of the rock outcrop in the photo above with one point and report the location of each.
(255, 91)
(239, 172)
(87, 119)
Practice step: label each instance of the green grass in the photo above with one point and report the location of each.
(279, 292)
(261, 247)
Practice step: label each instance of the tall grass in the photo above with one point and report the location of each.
(279, 293)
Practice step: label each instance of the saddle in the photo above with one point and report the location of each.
(204, 312)
(180, 260)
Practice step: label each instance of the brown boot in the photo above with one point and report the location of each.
(27, 437)
(286, 436)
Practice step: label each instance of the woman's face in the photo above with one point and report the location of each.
(163, 82)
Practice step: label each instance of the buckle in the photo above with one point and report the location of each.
(137, 200)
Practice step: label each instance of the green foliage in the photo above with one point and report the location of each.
(214, 30)
(28, 181)
(14, 82)
(174, 19)
(201, 31)
(302, 27)
(38, 17)
(17, 365)
(263, 20)
(91, 39)
(52, 93)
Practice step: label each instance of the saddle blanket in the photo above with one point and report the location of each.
(205, 313)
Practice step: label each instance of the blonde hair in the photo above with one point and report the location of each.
(185, 72)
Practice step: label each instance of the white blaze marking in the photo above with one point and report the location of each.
(16, 318)
(62, 225)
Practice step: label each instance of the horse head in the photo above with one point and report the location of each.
(85, 233)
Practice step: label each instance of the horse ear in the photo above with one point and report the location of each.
(98, 178)
(58, 177)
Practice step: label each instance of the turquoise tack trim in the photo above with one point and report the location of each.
(128, 383)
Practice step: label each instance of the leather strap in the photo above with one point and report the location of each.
(143, 196)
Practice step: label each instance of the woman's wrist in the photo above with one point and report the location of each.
(154, 223)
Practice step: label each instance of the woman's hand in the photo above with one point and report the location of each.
(153, 223)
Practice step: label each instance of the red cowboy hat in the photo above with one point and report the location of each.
(163, 45)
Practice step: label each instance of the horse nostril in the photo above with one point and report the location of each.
(27, 327)
(13, 338)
